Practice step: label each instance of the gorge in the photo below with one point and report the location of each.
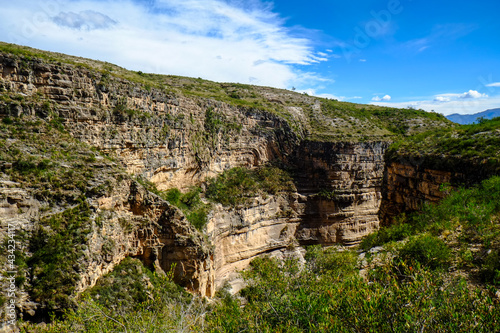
(144, 134)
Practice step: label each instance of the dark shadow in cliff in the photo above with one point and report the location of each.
(340, 184)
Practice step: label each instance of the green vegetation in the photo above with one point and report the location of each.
(465, 217)
(130, 299)
(453, 148)
(236, 186)
(57, 246)
(190, 203)
(326, 294)
(131, 284)
(285, 298)
(427, 250)
(337, 120)
(56, 168)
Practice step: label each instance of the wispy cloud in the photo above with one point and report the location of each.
(440, 34)
(494, 84)
(87, 20)
(215, 39)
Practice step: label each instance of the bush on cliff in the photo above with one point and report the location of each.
(236, 186)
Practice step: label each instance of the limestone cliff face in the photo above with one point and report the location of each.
(168, 139)
(407, 186)
(266, 225)
(177, 141)
(342, 183)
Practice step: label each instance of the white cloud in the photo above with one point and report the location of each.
(229, 41)
(362, 60)
(378, 99)
(87, 19)
(441, 99)
(465, 103)
(313, 92)
(472, 94)
(494, 84)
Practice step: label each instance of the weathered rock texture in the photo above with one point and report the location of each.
(178, 141)
(342, 182)
(408, 186)
(241, 234)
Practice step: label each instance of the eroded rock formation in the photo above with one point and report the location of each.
(177, 141)
(342, 182)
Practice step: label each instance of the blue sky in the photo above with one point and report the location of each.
(435, 55)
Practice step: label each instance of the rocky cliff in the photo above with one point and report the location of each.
(342, 183)
(426, 167)
(406, 187)
(177, 138)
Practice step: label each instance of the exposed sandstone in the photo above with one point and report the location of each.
(168, 139)
(407, 186)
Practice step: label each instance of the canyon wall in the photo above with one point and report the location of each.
(173, 140)
(342, 182)
(408, 186)
(159, 135)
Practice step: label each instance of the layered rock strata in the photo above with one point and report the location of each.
(407, 187)
(178, 141)
(342, 183)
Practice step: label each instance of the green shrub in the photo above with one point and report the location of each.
(426, 249)
(191, 205)
(388, 234)
(130, 284)
(232, 187)
(331, 261)
(284, 298)
(236, 186)
(57, 246)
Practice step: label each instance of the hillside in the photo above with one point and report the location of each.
(318, 118)
(149, 191)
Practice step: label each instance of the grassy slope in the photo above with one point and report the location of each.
(333, 120)
(447, 148)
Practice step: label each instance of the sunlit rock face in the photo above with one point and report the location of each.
(176, 141)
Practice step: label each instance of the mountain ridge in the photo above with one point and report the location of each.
(465, 119)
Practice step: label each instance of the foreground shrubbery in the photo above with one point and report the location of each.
(394, 298)
(130, 299)
(325, 295)
(465, 217)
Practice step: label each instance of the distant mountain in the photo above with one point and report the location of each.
(470, 118)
